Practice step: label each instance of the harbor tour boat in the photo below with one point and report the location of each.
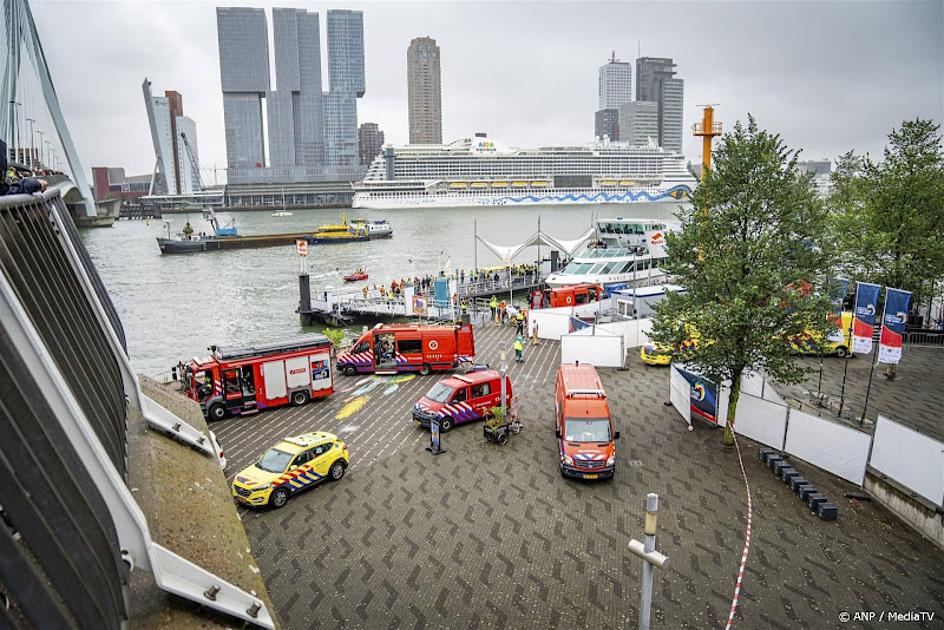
(342, 232)
(480, 172)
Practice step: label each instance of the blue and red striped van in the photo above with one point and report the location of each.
(461, 398)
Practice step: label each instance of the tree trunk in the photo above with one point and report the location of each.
(732, 409)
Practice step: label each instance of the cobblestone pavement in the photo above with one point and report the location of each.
(488, 536)
(914, 398)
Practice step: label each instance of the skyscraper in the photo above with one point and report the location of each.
(424, 84)
(615, 83)
(656, 82)
(244, 75)
(312, 133)
(606, 123)
(639, 122)
(177, 167)
(370, 141)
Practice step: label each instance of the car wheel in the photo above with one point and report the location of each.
(350, 370)
(842, 352)
(278, 498)
(337, 470)
(445, 424)
(299, 398)
(216, 412)
(425, 369)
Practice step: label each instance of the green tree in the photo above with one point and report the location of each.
(888, 216)
(751, 253)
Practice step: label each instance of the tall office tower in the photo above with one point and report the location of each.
(244, 74)
(656, 81)
(639, 122)
(424, 84)
(346, 83)
(606, 123)
(615, 84)
(174, 136)
(370, 141)
(295, 107)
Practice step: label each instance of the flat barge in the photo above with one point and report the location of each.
(215, 243)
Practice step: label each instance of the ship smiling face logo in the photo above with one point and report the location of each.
(657, 238)
(698, 392)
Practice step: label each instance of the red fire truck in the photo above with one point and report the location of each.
(409, 348)
(240, 381)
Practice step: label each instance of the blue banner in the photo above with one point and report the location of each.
(704, 396)
(894, 318)
(863, 322)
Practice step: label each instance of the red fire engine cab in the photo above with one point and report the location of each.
(240, 381)
(409, 348)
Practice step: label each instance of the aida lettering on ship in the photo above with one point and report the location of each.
(863, 322)
(837, 292)
(894, 318)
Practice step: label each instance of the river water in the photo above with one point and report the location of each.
(173, 307)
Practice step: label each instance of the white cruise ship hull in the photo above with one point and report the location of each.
(382, 200)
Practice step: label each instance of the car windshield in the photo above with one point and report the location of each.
(587, 430)
(274, 460)
(440, 393)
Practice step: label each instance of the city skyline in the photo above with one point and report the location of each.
(832, 51)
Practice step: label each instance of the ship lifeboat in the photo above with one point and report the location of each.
(357, 276)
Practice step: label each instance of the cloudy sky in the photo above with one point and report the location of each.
(829, 76)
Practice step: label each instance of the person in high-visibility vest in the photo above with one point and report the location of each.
(493, 304)
(519, 349)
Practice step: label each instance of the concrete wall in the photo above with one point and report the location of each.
(924, 519)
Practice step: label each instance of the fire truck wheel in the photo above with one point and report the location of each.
(350, 370)
(217, 412)
(337, 470)
(425, 369)
(299, 398)
(445, 424)
(278, 498)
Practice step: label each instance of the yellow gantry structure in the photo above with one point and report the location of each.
(707, 129)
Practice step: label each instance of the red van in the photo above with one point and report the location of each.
(461, 398)
(388, 349)
(572, 295)
(585, 429)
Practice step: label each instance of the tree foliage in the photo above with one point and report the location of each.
(888, 216)
(751, 253)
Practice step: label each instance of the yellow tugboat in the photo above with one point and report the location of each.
(342, 232)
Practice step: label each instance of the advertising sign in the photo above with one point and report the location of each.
(837, 293)
(894, 318)
(419, 305)
(863, 321)
(301, 247)
(703, 395)
(655, 239)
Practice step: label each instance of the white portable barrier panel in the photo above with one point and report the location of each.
(833, 447)
(761, 420)
(909, 458)
(680, 394)
(551, 325)
(634, 331)
(601, 350)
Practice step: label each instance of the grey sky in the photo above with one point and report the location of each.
(829, 76)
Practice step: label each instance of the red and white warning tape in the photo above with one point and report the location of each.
(747, 539)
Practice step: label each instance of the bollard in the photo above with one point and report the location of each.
(649, 557)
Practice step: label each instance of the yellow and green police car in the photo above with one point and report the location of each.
(292, 465)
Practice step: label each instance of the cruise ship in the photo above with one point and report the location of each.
(480, 172)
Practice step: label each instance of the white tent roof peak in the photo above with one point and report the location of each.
(507, 253)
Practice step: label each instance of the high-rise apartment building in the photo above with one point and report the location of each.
(424, 84)
(370, 141)
(312, 132)
(656, 82)
(615, 83)
(606, 123)
(174, 136)
(639, 122)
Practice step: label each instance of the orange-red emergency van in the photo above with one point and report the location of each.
(585, 430)
(572, 295)
(461, 398)
(409, 348)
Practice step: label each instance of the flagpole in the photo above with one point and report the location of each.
(845, 367)
(868, 389)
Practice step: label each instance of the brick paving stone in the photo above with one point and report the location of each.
(489, 536)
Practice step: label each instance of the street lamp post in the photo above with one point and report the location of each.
(42, 159)
(650, 557)
(16, 138)
(32, 153)
(48, 160)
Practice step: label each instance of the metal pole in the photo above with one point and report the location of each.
(475, 245)
(868, 390)
(42, 160)
(32, 162)
(503, 368)
(845, 370)
(645, 604)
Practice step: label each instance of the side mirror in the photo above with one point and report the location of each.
(292, 467)
(616, 435)
(557, 433)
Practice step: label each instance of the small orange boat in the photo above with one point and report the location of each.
(357, 276)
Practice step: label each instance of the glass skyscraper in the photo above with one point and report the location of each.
(312, 132)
